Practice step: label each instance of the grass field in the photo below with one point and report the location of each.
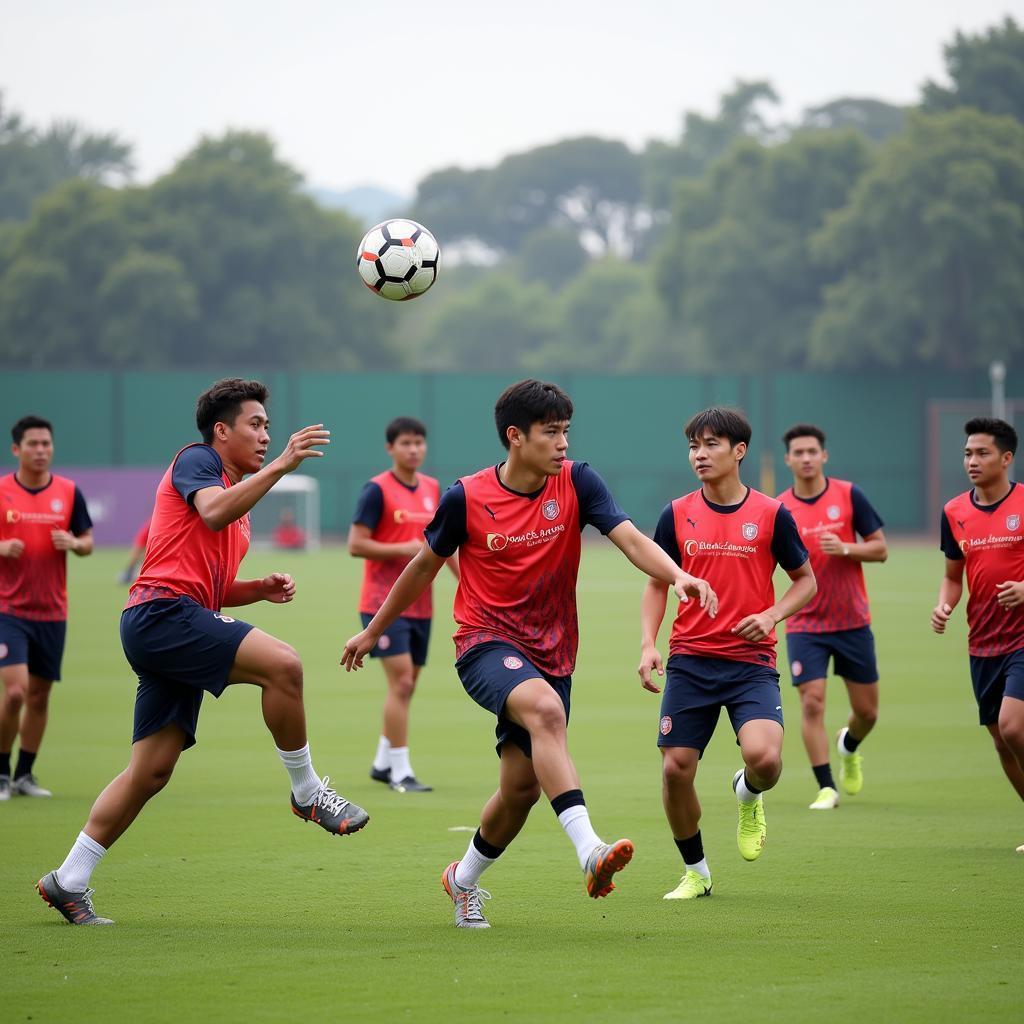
(905, 904)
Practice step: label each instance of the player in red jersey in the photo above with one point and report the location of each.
(517, 529)
(42, 518)
(982, 532)
(180, 644)
(387, 530)
(735, 536)
(135, 556)
(830, 515)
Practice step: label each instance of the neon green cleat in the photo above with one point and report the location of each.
(692, 886)
(851, 778)
(826, 799)
(752, 829)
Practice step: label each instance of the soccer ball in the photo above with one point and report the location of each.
(398, 259)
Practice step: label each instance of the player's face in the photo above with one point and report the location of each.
(247, 439)
(713, 458)
(35, 453)
(806, 458)
(408, 451)
(542, 448)
(984, 462)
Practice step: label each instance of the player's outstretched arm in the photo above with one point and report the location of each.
(800, 591)
(278, 588)
(415, 578)
(652, 612)
(951, 589)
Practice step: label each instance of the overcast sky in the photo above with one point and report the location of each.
(359, 92)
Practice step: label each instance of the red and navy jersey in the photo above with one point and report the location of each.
(735, 548)
(34, 586)
(842, 598)
(519, 557)
(184, 557)
(395, 513)
(989, 539)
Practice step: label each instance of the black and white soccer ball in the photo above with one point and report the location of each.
(398, 259)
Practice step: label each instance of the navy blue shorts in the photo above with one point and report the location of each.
(403, 636)
(852, 652)
(995, 678)
(40, 645)
(698, 688)
(179, 650)
(490, 672)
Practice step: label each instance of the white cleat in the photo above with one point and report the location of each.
(826, 800)
(26, 785)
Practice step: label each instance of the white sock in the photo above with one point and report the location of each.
(701, 867)
(381, 762)
(841, 743)
(400, 767)
(78, 866)
(743, 794)
(471, 867)
(576, 822)
(305, 781)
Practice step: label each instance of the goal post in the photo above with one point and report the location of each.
(288, 515)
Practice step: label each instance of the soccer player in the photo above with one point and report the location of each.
(135, 556)
(735, 536)
(387, 531)
(830, 515)
(180, 644)
(982, 531)
(42, 517)
(517, 529)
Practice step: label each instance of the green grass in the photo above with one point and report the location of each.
(904, 904)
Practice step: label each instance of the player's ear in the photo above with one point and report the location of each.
(739, 450)
(824, 456)
(514, 435)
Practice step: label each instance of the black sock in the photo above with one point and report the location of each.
(692, 849)
(26, 759)
(746, 782)
(485, 848)
(823, 773)
(850, 742)
(570, 798)
(5, 763)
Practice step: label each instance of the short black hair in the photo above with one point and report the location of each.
(721, 422)
(404, 425)
(803, 430)
(1002, 433)
(527, 402)
(222, 402)
(29, 423)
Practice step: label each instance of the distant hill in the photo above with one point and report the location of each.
(367, 203)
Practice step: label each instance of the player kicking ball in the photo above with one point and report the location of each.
(735, 536)
(516, 527)
(180, 644)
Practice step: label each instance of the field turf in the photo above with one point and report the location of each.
(905, 904)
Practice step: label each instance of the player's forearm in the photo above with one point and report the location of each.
(652, 611)
(800, 593)
(231, 503)
(950, 592)
(82, 546)
(375, 550)
(867, 551)
(243, 592)
(647, 556)
(415, 578)
(453, 566)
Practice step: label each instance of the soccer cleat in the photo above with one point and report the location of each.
(751, 829)
(332, 812)
(75, 906)
(1020, 849)
(851, 778)
(380, 774)
(5, 787)
(26, 785)
(692, 886)
(826, 799)
(410, 784)
(469, 911)
(604, 861)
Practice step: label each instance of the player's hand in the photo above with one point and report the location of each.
(830, 543)
(278, 588)
(303, 445)
(940, 616)
(12, 548)
(357, 648)
(755, 627)
(1010, 594)
(687, 586)
(650, 662)
(62, 540)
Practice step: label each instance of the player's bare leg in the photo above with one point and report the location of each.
(863, 708)
(15, 680)
(401, 675)
(1008, 735)
(506, 812)
(682, 809)
(30, 737)
(812, 720)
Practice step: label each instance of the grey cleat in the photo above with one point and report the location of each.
(469, 911)
(5, 787)
(332, 812)
(410, 784)
(380, 774)
(27, 785)
(75, 906)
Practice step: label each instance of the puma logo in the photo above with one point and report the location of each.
(490, 512)
(961, 524)
(691, 522)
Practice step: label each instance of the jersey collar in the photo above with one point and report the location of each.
(994, 505)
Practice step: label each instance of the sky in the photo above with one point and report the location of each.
(357, 93)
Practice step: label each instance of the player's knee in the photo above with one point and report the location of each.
(14, 696)
(766, 764)
(677, 771)
(869, 716)
(403, 686)
(548, 716)
(38, 700)
(286, 671)
(1011, 735)
(812, 705)
(151, 778)
(522, 796)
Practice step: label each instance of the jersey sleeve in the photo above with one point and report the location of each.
(80, 518)
(196, 468)
(947, 541)
(446, 532)
(865, 519)
(370, 506)
(665, 535)
(597, 506)
(787, 547)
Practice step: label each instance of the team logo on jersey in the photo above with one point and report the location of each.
(496, 542)
(512, 663)
(384, 642)
(428, 503)
(56, 505)
(666, 725)
(749, 531)
(13, 515)
(549, 510)
(223, 618)
(797, 668)
(833, 512)
(690, 548)
(1013, 522)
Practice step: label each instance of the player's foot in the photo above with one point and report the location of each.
(1020, 849)
(5, 787)
(826, 799)
(332, 812)
(380, 774)
(410, 784)
(851, 778)
(751, 829)
(26, 785)
(75, 906)
(469, 910)
(604, 861)
(692, 886)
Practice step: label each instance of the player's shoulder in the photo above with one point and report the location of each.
(686, 499)
(758, 499)
(381, 478)
(198, 453)
(958, 502)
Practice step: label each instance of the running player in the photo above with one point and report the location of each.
(517, 528)
(179, 644)
(830, 514)
(735, 536)
(387, 530)
(983, 532)
(135, 556)
(42, 518)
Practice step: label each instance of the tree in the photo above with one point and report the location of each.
(874, 119)
(552, 256)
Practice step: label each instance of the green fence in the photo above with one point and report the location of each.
(897, 435)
